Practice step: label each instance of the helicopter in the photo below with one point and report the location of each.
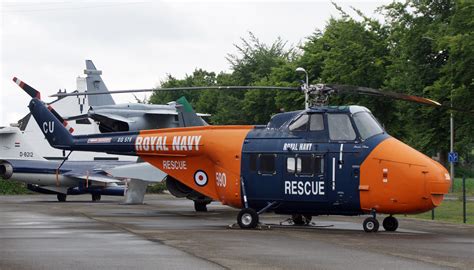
(323, 160)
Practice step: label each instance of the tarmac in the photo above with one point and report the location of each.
(37, 232)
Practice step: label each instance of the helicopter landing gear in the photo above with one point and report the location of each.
(61, 197)
(300, 220)
(371, 224)
(200, 206)
(247, 218)
(390, 224)
(96, 197)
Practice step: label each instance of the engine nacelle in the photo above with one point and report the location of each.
(180, 190)
(6, 170)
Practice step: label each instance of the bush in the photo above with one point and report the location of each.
(156, 188)
(12, 188)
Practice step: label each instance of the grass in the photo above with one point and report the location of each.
(450, 211)
(12, 188)
(457, 183)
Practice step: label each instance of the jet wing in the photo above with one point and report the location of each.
(92, 177)
(166, 112)
(8, 130)
(76, 117)
(142, 171)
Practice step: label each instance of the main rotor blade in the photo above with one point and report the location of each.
(394, 95)
(376, 92)
(179, 89)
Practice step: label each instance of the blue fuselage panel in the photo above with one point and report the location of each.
(331, 185)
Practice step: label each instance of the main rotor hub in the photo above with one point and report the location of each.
(318, 94)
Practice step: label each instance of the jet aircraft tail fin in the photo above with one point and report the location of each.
(96, 84)
(186, 115)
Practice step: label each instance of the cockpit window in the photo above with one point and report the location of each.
(340, 127)
(367, 125)
(316, 122)
(301, 124)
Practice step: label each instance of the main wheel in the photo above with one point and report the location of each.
(247, 218)
(200, 206)
(371, 225)
(390, 224)
(96, 197)
(301, 220)
(61, 197)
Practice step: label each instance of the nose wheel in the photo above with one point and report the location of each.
(390, 224)
(371, 224)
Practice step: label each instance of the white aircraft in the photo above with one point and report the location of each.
(27, 157)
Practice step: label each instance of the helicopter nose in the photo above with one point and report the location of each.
(396, 178)
(438, 182)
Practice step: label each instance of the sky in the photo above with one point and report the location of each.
(137, 43)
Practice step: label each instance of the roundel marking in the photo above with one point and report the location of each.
(200, 178)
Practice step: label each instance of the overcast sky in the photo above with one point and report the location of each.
(136, 43)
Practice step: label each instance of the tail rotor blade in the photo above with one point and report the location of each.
(28, 89)
(36, 94)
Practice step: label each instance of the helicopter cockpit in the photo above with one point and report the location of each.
(347, 123)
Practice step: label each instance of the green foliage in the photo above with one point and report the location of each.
(450, 211)
(12, 188)
(423, 48)
(156, 188)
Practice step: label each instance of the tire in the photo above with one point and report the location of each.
(390, 224)
(371, 225)
(300, 220)
(61, 197)
(96, 197)
(200, 206)
(247, 218)
(308, 219)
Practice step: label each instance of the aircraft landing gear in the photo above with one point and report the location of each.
(300, 220)
(371, 224)
(390, 224)
(96, 197)
(200, 206)
(61, 197)
(247, 218)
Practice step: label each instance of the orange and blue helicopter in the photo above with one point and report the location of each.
(324, 160)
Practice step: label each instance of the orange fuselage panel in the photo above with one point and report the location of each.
(396, 178)
(206, 159)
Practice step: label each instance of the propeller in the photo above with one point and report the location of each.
(36, 94)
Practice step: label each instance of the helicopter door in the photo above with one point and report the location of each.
(341, 160)
(304, 178)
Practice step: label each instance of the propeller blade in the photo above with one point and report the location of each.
(179, 89)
